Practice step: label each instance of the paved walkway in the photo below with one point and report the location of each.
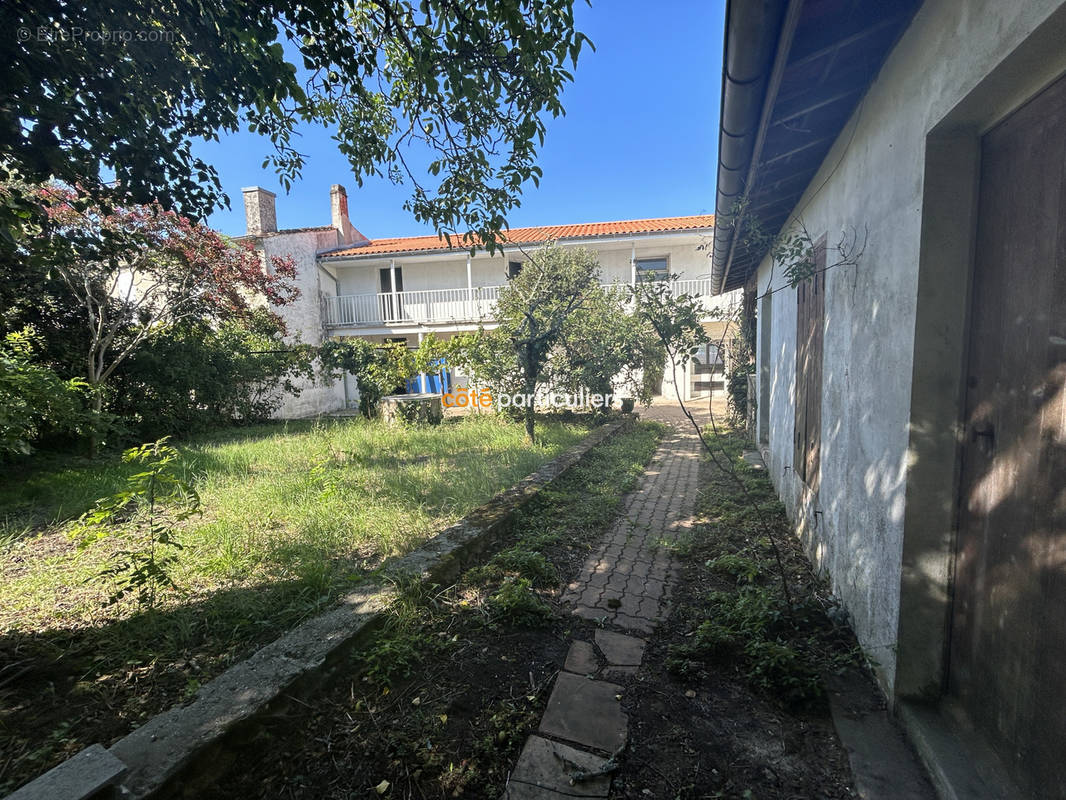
(626, 580)
(624, 584)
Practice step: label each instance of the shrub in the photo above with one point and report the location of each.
(194, 377)
(379, 370)
(516, 603)
(33, 399)
(739, 568)
(515, 562)
(148, 512)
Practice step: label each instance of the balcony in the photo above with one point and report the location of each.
(477, 304)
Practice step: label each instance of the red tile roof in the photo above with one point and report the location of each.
(587, 230)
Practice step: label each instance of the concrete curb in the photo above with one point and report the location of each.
(224, 710)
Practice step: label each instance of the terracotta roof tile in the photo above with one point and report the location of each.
(587, 230)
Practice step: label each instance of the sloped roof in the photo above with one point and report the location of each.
(587, 230)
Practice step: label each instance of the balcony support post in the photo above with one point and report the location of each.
(392, 285)
(469, 287)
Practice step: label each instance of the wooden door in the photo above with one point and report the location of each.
(1007, 665)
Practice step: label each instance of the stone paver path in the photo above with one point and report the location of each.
(626, 580)
(624, 584)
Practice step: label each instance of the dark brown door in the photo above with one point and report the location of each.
(1008, 643)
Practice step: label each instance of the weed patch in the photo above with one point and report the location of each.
(515, 604)
(743, 623)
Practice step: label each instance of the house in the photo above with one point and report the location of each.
(400, 289)
(911, 392)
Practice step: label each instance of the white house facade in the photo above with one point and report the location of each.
(401, 289)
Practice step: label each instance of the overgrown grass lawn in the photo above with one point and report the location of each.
(293, 515)
(309, 503)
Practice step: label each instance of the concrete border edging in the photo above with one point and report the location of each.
(226, 708)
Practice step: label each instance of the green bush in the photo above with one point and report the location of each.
(379, 370)
(34, 400)
(195, 377)
(147, 513)
(516, 562)
(739, 568)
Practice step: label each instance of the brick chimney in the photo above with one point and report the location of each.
(260, 214)
(338, 212)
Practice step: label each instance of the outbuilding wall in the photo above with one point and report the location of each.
(874, 180)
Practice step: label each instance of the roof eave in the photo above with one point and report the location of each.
(752, 47)
(512, 246)
(780, 118)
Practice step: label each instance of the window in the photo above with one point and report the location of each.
(385, 277)
(651, 269)
(810, 332)
(389, 304)
(513, 268)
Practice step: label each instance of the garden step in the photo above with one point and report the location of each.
(581, 659)
(544, 771)
(586, 712)
(620, 650)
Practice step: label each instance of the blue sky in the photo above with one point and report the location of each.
(639, 138)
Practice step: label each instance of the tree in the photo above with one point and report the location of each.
(675, 320)
(94, 89)
(378, 369)
(532, 310)
(160, 269)
(607, 347)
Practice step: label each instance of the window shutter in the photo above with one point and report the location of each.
(810, 336)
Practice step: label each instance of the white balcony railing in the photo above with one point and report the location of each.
(438, 305)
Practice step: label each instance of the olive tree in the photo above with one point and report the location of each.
(607, 348)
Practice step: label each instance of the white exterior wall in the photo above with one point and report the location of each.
(425, 272)
(873, 177)
(431, 272)
(304, 316)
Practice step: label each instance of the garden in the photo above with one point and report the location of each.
(156, 526)
(290, 515)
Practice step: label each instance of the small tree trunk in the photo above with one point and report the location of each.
(95, 421)
(530, 388)
(529, 424)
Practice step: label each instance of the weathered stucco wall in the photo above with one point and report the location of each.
(304, 317)
(873, 178)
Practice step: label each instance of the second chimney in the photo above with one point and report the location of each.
(260, 213)
(338, 212)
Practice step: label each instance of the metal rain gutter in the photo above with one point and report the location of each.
(752, 34)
